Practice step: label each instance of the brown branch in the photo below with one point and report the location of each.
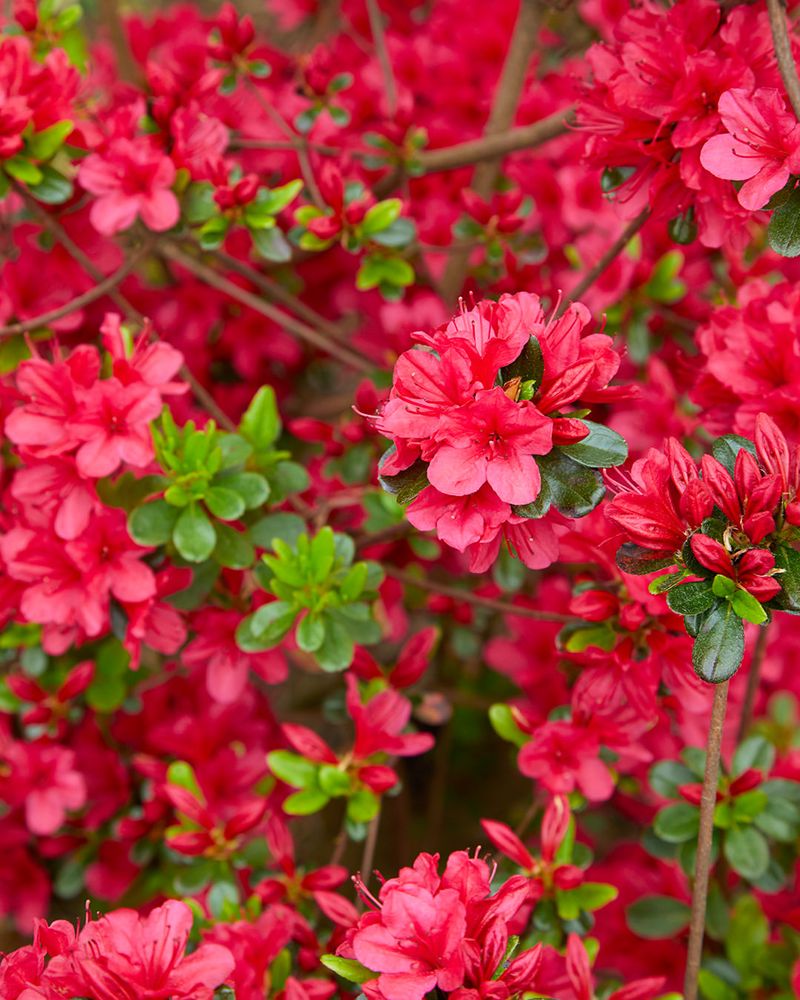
(705, 834)
(468, 597)
(371, 842)
(501, 118)
(382, 52)
(127, 67)
(606, 260)
(301, 330)
(753, 679)
(489, 147)
(275, 290)
(783, 52)
(57, 231)
(103, 287)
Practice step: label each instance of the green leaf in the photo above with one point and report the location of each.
(377, 269)
(381, 216)
(272, 621)
(274, 200)
(748, 607)
(194, 535)
(746, 851)
(322, 553)
(657, 918)
(638, 561)
(691, 598)
(405, 485)
(224, 503)
(287, 527)
(529, 366)
(662, 584)
(23, 170)
(677, 823)
(223, 900)
(503, 723)
(667, 776)
(310, 633)
(588, 896)
(363, 806)
(754, 752)
(261, 423)
(199, 204)
(726, 448)
(719, 646)
(54, 188)
(347, 968)
(337, 649)
(723, 586)
(45, 144)
(788, 559)
(251, 487)
(152, 523)
(234, 548)
(602, 449)
(292, 768)
(182, 774)
(333, 781)
(354, 582)
(109, 688)
(575, 489)
(304, 803)
(272, 244)
(783, 232)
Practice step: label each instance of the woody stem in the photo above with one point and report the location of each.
(704, 841)
(606, 260)
(753, 679)
(783, 52)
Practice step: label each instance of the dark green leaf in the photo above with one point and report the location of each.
(677, 823)
(788, 559)
(538, 508)
(287, 527)
(719, 646)
(602, 449)
(575, 489)
(726, 448)
(638, 561)
(224, 503)
(194, 535)
(783, 233)
(251, 487)
(153, 523)
(657, 917)
(272, 244)
(405, 485)
(529, 366)
(667, 776)
(234, 548)
(54, 188)
(754, 752)
(691, 598)
(336, 651)
(746, 851)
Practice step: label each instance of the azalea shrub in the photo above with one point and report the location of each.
(400, 544)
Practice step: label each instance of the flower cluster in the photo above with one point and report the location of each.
(485, 420)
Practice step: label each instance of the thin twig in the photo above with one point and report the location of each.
(501, 118)
(276, 291)
(103, 287)
(371, 842)
(382, 52)
(299, 329)
(606, 260)
(783, 52)
(705, 835)
(753, 679)
(489, 147)
(57, 231)
(489, 603)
